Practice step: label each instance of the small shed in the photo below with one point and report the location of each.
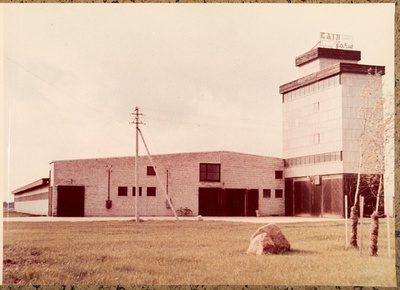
(33, 198)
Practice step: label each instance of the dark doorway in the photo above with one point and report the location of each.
(308, 198)
(211, 202)
(302, 198)
(316, 200)
(289, 196)
(228, 202)
(251, 202)
(235, 202)
(71, 201)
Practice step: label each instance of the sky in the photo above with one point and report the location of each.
(205, 76)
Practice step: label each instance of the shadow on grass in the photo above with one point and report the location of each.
(299, 252)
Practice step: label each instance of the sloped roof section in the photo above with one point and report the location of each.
(34, 185)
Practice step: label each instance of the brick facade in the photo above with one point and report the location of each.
(238, 171)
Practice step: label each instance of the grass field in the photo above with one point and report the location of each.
(11, 214)
(187, 252)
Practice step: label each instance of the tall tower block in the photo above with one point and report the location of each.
(321, 130)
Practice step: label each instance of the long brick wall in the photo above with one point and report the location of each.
(238, 171)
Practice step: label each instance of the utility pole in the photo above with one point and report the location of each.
(108, 203)
(138, 131)
(137, 122)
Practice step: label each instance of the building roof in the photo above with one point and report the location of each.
(321, 52)
(34, 185)
(331, 71)
(169, 154)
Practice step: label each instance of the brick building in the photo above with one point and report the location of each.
(321, 141)
(209, 183)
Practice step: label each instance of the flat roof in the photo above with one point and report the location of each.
(34, 185)
(321, 52)
(335, 69)
(168, 154)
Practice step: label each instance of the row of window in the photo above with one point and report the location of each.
(123, 191)
(314, 159)
(311, 88)
(151, 191)
(267, 193)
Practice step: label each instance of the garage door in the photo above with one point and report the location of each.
(211, 202)
(228, 202)
(71, 201)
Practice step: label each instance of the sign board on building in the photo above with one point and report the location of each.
(338, 41)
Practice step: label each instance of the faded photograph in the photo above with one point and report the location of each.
(212, 144)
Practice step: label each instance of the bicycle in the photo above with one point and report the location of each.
(184, 211)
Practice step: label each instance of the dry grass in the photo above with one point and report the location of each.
(12, 213)
(186, 252)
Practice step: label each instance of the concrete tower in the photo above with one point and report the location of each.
(321, 130)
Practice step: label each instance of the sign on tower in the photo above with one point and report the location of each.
(338, 41)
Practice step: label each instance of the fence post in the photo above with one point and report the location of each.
(361, 222)
(346, 221)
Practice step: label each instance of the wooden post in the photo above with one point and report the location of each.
(346, 221)
(361, 222)
(137, 122)
(388, 229)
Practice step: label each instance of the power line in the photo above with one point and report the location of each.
(62, 92)
(166, 120)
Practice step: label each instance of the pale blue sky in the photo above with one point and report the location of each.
(206, 77)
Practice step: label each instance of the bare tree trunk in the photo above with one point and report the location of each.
(354, 223)
(373, 237)
(374, 232)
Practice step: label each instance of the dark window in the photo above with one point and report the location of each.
(150, 170)
(266, 193)
(278, 174)
(134, 191)
(122, 191)
(151, 191)
(278, 193)
(210, 172)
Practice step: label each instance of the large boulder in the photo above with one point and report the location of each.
(268, 239)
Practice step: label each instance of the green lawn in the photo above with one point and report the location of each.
(187, 252)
